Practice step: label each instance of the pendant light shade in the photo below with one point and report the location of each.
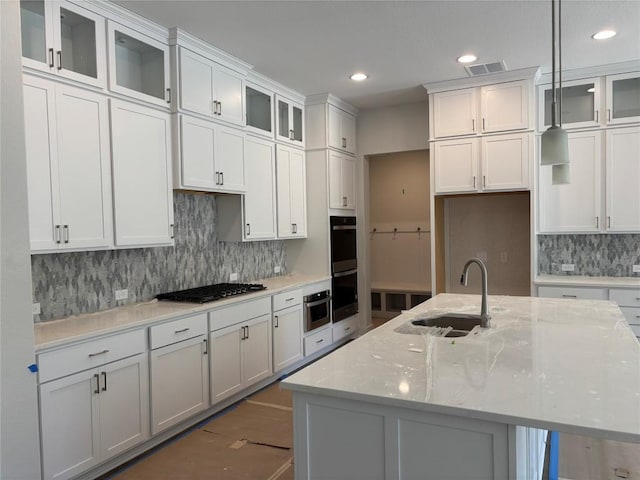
(560, 174)
(554, 142)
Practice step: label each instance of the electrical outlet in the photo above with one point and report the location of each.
(568, 267)
(233, 277)
(35, 309)
(276, 269)
(504, 257)
(636, 269)
(122, 294)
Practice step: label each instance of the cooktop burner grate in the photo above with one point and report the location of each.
(211, 293)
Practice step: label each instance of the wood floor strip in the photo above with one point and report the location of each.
(278, 473)
(272, 405)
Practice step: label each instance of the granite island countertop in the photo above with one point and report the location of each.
(56, 333)
(566, 365)
(586, 281)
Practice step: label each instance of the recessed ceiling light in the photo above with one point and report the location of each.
(468, 58)
(358, 77)
(603, 34)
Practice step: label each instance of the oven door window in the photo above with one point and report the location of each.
(345, 296)
(318, 313)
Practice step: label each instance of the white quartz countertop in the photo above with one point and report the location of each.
(584, 281)
(81, 327)
(561, 364)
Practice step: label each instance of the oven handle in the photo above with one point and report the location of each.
(343, 227)
(344, 274)
(317, 302)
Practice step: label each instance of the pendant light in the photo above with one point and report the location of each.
(554, 142)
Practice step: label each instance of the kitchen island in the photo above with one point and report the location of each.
(402, 402)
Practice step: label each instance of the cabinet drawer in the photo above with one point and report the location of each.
(583, 293)
(287, 299)
(177, 330)
(317, 341)
(344, 328)
(632, 315)
(239, 313)
(625, 297)
(66, 361)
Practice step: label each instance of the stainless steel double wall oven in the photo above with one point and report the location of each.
(344, 267)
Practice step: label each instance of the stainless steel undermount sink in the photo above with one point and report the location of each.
(461, 323)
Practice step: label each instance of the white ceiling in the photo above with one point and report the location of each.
(313, 46)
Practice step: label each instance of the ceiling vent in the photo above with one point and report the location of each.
(485, 68)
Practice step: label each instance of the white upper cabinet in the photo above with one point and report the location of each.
(574, 207)
(61, 38)
(138, 65)
(342, 177)
(456, 165)
(342, 130)
(623, 98)
(210, 89)
(259, 112)
(454, 113)
(291, 192)
(506, 161)
(580, 104)
(505, 106)
(623, 179)
(211, 156)
(143, 200)
(289, 121)
(68, 174)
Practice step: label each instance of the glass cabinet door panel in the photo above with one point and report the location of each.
(283, 119)
(34, 30)
(297, 124)
(258, 109)
(578, 104)
(78, 43)
(139, 66)
(625, 95)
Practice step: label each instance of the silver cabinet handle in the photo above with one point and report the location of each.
(172, 230)
(344, 142)
(99, 353)
(608, 221)
(289, 299)
(97, 377)
(247, 332)
(474, 181)
(219, 108)
(473, 125)
(217, 178)
(59, 59)
(294, 228)
(215, 106)
(182, 330)
(291, 136)
(51, 65)
(104, 379)
(168, 95)
(275, 319)
(347, 329)
(221, 178)
(57, 234)
(569, 296)
(608, 114)
(65, 231)
(484, 181)
(206, 347)
(248, 229)
(320, 341)
(344, 201)
(597, 116)
(597, 222)
(483, 127)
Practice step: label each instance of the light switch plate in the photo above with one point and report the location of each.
(122, 294)
(276, 269)
(568, 267)
(636, 269)
(35, 309)
(233, 277)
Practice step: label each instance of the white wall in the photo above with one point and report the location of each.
(19, 442)
(399, 128)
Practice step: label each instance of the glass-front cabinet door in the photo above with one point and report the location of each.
(62, 38)
(138, 65)
(623, 98)
(289, 121)
(580, 104)
(259, 113)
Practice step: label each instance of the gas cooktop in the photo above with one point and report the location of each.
(211, 293)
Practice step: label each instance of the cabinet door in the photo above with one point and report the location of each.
(349, 132)
(124, 405)
(456, 165)
(228, 89)
(289, 121)
(283, 188)
(42, 168)
(79, 41)
(336, 197)
(505, 106)
(260, 199)
(197, 151)
(574, 207)
(143, 200)
(36, 22)
(623, 179)
(229, 159)
(623, 98)
(287, 337)
(196, 83)
(69, 425)
(225, 365)
(138, 65)
(259, 110)
(256, 350)
(83, 166)
(505, 161)
(580, 104)
(335, 127)
(342, 130)
(298, 189)
(454, 113)
(179, 382)
(349, 182)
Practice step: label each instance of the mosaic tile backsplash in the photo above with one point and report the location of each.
(592, 255)
(72, 283)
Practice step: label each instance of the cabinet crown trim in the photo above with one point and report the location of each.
(320, 98)
(275, 87)
(126, 18)
(595, 71)
(483, 80)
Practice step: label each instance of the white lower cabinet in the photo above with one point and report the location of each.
(344, 328)
(287, 330)
(240, 339)
(583, 293)
(90, 416)
(316, 341)
(142, 195)
(179, 371)
(628, 299)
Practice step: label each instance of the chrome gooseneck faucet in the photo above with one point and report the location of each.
(485, 319)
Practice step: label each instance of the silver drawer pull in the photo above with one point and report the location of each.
(569, 296)
(293, 298)
(182, 330)
(320, 341)
(99, 353)
(347, 329)
(637, 298)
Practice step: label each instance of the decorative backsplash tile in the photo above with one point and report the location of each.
(592, 255)
(72, 283)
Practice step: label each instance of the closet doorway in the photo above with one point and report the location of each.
(400, 229)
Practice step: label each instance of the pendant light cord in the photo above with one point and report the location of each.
(560, 63)
(553, 63)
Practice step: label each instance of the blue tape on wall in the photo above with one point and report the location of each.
(33, 368)
(553, 455)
